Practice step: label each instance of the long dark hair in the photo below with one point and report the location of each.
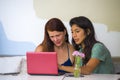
(53, 24)
(90, 40)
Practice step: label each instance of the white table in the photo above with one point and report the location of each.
(41, 77)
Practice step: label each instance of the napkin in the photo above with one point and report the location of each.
(10, 65)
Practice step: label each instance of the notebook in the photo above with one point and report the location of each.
(44, 63)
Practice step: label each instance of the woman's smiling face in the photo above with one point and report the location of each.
(78, 34)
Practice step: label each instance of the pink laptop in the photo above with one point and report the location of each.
(42, 63)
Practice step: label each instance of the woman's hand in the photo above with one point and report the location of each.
(59, 66)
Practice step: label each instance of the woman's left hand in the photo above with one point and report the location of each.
(59, 66)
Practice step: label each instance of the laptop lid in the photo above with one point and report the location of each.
(42, 63)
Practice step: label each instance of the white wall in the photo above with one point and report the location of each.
(20, 24)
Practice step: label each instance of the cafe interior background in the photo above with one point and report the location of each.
(22, 22)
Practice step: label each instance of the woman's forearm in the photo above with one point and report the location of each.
(67, 68)
(83, 69)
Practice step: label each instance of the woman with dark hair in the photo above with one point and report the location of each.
(56, 39)
(97, 56)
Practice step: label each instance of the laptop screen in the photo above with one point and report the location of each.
(42, 63)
